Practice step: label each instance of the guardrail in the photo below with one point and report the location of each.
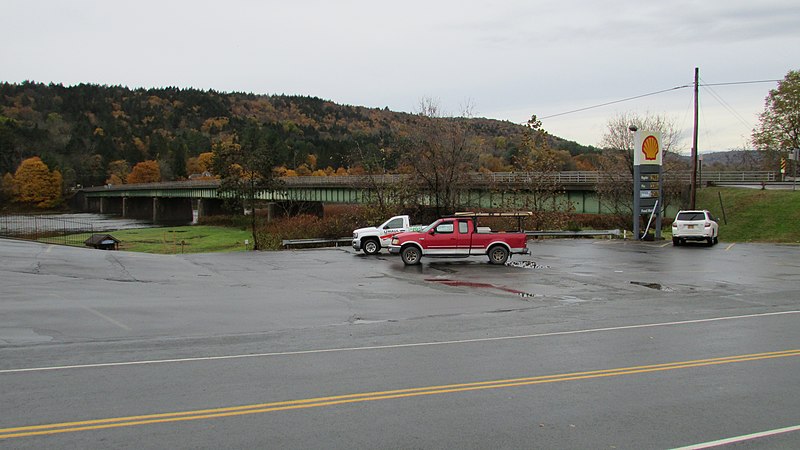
(287, 243)
(581, 233)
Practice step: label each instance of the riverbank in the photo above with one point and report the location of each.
(184, 239)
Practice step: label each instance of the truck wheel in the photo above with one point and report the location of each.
(498, 255)
(372, 246)
(411, 255)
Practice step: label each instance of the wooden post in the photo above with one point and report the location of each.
(694, 141)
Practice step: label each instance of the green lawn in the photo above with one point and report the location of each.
(754, 215)
(187, 239)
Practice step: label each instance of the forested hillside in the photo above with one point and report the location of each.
(81, 130)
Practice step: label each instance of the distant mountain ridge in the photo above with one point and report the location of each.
(81, 129)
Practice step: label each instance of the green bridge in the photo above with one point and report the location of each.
(176, 202)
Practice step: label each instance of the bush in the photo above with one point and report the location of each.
(235, 221)
(593, 222)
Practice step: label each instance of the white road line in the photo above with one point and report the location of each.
(395, 346)
(96, 313)
(747, 437)
(105, 317)
(730, 246)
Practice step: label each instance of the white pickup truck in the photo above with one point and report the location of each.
(372, 239)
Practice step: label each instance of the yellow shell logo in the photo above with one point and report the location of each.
(650, 148)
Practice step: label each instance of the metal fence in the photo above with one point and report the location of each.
(53, 230)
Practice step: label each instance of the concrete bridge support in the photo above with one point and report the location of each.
(111, 205)
(92, 204)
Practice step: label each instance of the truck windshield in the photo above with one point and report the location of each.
(430, 227)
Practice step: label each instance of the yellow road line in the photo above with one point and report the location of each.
(730, 246)
(116, 422)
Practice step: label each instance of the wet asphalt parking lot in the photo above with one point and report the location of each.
(582, 344)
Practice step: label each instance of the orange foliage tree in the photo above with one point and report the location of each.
(200, 164)
(35, 184)
(145, 172)
(118, 171)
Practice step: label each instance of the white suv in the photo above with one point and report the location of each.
(695, 226)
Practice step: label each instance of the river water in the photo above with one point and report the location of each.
(77, 222)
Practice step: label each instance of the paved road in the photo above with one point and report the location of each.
(583, 344)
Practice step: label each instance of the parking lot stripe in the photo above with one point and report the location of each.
(181, 416)
(396, 346)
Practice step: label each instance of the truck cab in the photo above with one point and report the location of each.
(372, 239)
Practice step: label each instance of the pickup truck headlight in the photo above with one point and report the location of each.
(355, 235)
(395, 241)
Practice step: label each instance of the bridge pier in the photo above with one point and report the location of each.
(111, 205)
(92, 204)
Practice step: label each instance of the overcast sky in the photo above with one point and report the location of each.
(508, 59)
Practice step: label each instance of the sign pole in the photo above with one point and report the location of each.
(637, 201)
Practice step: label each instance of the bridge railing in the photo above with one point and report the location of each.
(737, 177)
(478, 178)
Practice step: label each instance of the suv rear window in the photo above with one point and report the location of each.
(696, 215)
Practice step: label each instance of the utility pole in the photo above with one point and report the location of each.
(694, 141)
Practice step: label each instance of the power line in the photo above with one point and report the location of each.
(654, 93)
(615, 101)
(725, 105)
(740, 82)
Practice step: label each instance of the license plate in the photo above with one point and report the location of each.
(691, 227)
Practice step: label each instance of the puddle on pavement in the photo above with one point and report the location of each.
(356, 320)
(525, 264)
(655, 286)
(473, 284)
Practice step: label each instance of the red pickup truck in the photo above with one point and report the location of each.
(460, 236)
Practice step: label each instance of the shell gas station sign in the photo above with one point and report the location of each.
(647, 149)
(647, 181)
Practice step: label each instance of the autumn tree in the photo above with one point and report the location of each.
(145, 172)
(542, 191)
(245, 167)
(201, 164)
(387, 195)
(778, 131)
(36, 185)
(441, 154)
(118, 172)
